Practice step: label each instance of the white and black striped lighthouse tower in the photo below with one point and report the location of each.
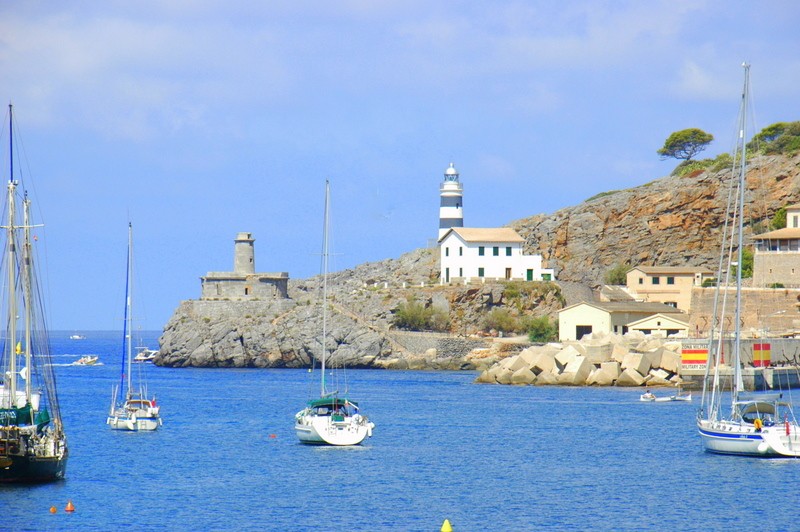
(451, 212)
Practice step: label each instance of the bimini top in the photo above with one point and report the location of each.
(331, 402)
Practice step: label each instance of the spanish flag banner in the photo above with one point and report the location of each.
(761, 355)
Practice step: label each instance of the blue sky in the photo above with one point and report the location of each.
(200, 119)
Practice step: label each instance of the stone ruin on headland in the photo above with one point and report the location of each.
(634, 359)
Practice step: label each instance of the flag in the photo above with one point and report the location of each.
(19, 347)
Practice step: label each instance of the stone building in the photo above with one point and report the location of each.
(243, 283)
(776, 254)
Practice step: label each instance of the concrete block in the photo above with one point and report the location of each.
(566, 355)
(546, 378)
(659, 374)
(637, 362)
(503, 376)
(523, 376)
(544, 363)
(612, 368)
(576, 372)
(516, 363)
(654, 357)
(630, 377)
(599, 352)
(619, 351)
(656, 380)
(600, 377)
(670, 361)
(529, 356)
(486, 378)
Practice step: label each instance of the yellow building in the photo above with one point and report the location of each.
(670, 285)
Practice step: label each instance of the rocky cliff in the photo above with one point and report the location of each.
(673, 221)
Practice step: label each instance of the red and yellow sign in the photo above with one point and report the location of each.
(761, 355)
(694, 357)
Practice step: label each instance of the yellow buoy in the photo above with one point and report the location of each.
(53, 509)
(446, 526)
(70, 507)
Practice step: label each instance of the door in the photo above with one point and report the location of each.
(508, 273)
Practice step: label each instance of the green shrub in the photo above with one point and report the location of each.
(541, 329)
(618, 275)
(707, 283)
(501, 319)
(415, 316)
(776, 285)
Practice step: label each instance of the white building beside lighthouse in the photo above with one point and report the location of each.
(472, 254)
(451, 206)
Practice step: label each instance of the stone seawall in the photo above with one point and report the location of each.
(419, 343)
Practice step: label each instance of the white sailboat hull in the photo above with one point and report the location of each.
(324, 430)
(726, 437)
(133, 423)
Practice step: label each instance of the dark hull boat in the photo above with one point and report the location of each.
(33, 446)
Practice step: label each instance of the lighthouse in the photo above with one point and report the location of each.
(451, 212)
(244, 254)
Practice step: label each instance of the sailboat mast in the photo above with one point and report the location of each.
(738, 384)
(12, 261)
(128, 309)
(27, 274)
(325, 227)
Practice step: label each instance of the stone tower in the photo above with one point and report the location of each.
(244, 262)
(451, 213)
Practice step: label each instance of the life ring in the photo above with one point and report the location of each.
(758, 424)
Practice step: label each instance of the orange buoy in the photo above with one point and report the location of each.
(273, 436)
(70, 507)
(53, 509)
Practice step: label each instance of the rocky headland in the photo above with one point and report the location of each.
(672, 221)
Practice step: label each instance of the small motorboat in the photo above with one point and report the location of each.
(144, 354)
(86, 360)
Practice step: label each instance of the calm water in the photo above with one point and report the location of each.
(485, 457)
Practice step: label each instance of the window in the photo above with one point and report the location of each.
(670, 280)
(673, 304)
(546, 277)
(656, 280)
(641, 280)
(480, 272)
(446, 252)
(496, 251)
(508, 251)
(480, 251)
(460, 251)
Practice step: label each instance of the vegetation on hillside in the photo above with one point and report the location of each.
(617, 275)
(778, 138)
(685, 144)
(414, 316)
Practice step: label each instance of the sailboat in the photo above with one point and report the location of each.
(131, 409)
(331, 419)
(757, 424)
(33, 445)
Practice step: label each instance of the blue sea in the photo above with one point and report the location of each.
(484, 457)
